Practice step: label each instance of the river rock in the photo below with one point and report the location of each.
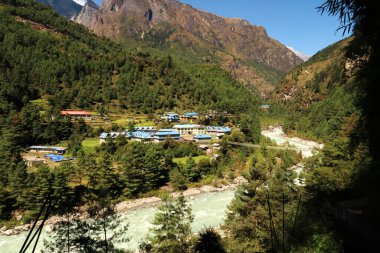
(20, 228)
(49, 228)
(3, 228)
(10, 232)
(207, 188)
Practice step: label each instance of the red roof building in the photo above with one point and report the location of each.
(77, 114)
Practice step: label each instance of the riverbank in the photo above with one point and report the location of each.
(209, 210)
(126, 206)
(306, 147)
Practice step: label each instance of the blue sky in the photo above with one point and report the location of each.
(294, 23)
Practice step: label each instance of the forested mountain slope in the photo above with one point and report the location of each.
(48, 63)
(320, 93)
(328, 98)
(243, 49)
(45, 56)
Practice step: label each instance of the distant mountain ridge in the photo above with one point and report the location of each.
(135, 18)
(244, 50)
(301, 55)
(67, 8)
(81, 2)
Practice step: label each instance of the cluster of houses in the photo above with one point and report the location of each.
(192, 132)
(175, 117)
(54, 154)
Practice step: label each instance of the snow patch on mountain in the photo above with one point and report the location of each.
(80, 2)
(303, 56)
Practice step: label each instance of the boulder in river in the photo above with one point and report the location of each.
(10, 232)
(49, 228)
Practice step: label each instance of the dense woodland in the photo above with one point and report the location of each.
(337, 106)
(72, 68)
(48, 64)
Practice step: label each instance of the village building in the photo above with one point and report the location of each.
(58, 158)
(219, 131)
(202, 138)
(193, 129)
(33, 161)
(265, 107)
(164, 134)
(150, 129)
(171, 117)
(190, 115)
(113, 135)
(219, 136)
(141, 136)
(203, 147)
(73, 114)
(48, 149)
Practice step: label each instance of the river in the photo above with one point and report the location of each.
(208, 209)
(306, 147)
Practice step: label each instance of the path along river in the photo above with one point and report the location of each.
(208, 208)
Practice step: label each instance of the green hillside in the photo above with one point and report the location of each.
(332, 98)
(320, 93)
(48, 64)
(45, 56)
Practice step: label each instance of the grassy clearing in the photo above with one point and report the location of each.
(268, 120)
(64, 143)
(89, 145)
(182, 160)
(146, 123)
(122, 121)
(42, 104)
(138, 119)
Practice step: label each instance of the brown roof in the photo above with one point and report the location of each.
(75, 113)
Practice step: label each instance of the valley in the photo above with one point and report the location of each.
(187, 131)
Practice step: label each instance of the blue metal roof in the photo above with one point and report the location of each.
(167, 130)
(55, 158)
(167, 133)
(141, 135)
(187, 126)
(47, 147)
(190, 114)
(218, 129)
(103, 136)
(203, 136)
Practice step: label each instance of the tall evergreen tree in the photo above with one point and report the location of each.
(172, 231)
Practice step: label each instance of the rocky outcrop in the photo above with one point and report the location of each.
(67, 8)
(88, 11)
(312, 80)
(237, 37)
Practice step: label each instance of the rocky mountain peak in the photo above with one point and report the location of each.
(134, 18)
(67, 8)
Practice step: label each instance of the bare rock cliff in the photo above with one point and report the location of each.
(134, 18)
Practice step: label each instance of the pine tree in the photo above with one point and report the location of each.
(208, 241)
(172, 231)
